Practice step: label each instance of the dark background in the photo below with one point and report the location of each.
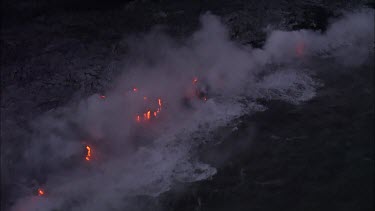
(316, 156)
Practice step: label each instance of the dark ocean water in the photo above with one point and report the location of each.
(314, 156)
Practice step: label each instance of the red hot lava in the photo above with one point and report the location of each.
(150, 113)
(88, 155)
(40, 192)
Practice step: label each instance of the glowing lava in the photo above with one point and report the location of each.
(40, 192)
(159, 102)
(150, 113)
(88, 155)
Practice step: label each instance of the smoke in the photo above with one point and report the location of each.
(147, 158)
(348, 40)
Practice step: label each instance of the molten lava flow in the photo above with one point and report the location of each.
(88, 155)
(40, 192)
(159, 102)
(148, 114)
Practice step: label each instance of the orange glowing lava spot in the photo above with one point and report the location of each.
(145, 98)
(88, 155)
(159, 102)
(40, 192)
(148, 114)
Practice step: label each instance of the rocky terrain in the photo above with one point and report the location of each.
(318, 155)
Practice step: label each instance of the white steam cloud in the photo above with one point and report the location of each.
(131, 159)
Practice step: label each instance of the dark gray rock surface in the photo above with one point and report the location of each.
(55, 52)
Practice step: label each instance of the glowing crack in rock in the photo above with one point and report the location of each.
(88, 155)
(40, 192)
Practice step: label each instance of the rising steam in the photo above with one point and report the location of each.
(140, 137)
